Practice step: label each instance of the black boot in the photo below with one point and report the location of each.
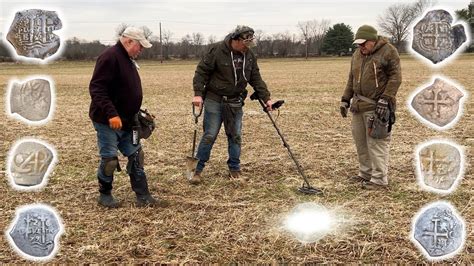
(149, 201)
(108, 201)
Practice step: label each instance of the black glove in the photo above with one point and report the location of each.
(344, 108)
(381, 109)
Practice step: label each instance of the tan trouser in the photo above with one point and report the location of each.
(373, 153)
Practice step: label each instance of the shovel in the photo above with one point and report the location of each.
(192, 161)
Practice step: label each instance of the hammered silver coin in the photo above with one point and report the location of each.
(439, 231)
(30, 163)
(434, 38)
(440, 165)
(438, 103)
(32, 100)
(35, 232)
(31, 33)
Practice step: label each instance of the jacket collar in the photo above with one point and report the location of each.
(120, 47)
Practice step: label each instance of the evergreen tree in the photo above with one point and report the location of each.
(338, 39)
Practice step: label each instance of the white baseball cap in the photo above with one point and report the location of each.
(138, 35)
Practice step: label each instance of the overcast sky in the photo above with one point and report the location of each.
(98, 20)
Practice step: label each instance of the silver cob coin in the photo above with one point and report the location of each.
(434, 38)
(438, 103)
(31, 33)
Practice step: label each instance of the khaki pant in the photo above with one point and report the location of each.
(373, 153)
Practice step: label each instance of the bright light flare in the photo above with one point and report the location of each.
(309, 222)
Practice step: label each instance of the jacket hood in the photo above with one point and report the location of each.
(227, 42)
(381, 41)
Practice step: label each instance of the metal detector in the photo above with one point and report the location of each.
(306, 188)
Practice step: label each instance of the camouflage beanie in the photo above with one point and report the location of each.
(365, 33)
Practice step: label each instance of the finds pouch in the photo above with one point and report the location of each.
(378, 128)
(147, 123)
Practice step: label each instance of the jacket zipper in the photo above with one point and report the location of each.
(376, 79)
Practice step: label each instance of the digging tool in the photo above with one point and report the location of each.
(306, 188)
(192, 161)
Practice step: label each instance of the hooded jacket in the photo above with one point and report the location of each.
(374, 76)
(216, 73)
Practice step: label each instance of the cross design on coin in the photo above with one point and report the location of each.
(36, 30)
(437, 101)
(437, 167)
(435, 36)
(435, 233)
(36, 231)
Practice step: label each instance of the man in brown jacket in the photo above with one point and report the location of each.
(374, 79)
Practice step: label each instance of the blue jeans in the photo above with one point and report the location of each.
(109, 142)
(212, 124)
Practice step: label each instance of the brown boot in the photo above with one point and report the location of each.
(196, 179)
(357, 179)
(236, 175)
(372, 186)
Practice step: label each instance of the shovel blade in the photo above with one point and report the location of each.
(191, 164)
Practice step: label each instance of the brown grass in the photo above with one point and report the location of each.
(220, 221)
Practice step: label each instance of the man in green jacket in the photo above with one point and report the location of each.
(374, 79)
(220, 83)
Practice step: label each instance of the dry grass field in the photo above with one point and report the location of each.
(221, 221)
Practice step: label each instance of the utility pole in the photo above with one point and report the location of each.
(161, 46)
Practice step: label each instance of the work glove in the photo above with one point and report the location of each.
(115, 123)
(381, 108)
(344, 108)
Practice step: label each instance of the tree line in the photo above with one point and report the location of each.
(313, 38)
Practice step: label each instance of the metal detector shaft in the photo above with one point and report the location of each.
(287, 146)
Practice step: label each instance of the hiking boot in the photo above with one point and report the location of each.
(237, 175)
(149, 201)
(108, 201)
(196, 179)
(357, 179)
(234, 174)
(372, 186)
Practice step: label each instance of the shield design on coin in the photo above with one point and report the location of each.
(35, 232)
(434, 38)
(438, 103)
(30, 163)
(31, 33)
(439, 166)
(31, 99)
(439, 231)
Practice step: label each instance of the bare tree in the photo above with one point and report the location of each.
(198, 41)
(259, 35)
(166, 38)
(305, 34)
(146, 31)
(211, 39)
(120, 29)
(313, 31)
(398, 19)
(318, 31)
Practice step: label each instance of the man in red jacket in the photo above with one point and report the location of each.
(116, 94)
